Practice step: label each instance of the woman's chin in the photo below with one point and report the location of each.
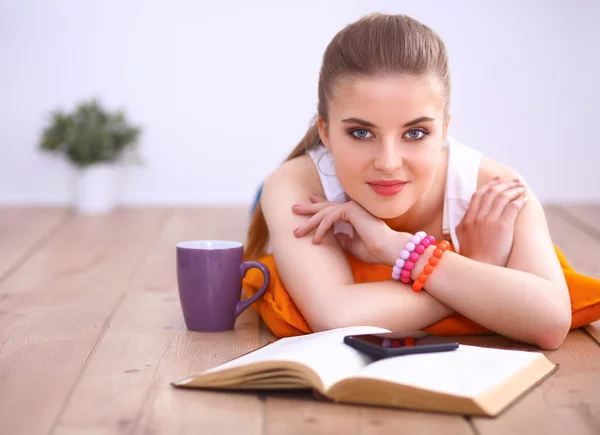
(382, 210)
(384, 207)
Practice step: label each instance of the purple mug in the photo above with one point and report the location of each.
(209, 277)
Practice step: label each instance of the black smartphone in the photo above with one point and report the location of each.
(399, 343)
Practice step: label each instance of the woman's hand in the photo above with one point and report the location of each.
(373, 241)
(487, 229)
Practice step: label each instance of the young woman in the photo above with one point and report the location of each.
(373, 176)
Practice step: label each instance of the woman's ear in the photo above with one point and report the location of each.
(323, 133)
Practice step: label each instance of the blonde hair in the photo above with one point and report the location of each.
(375, 45)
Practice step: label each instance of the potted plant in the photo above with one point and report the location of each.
(93, 140)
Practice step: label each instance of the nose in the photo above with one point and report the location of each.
(388, 157)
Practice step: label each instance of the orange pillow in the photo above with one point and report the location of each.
(283, 318)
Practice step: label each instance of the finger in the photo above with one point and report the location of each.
(308, 209)
(310, 224)
(326, 223)
(514, 207)
(475, 203)
(490, 197)
(503, 199)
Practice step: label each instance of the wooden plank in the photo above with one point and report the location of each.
(579, 248)
(302, 415)
(587, 218)
(56, 307)
(587, 215)
(126, 385)
(567, 402)
(22, 229)
(594, 330)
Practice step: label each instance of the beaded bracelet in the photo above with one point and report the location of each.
(431, 263)
(409, 256)
(400, 271)
(413, 250)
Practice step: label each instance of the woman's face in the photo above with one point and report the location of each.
(385, 136)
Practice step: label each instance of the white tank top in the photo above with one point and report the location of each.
(461, 183)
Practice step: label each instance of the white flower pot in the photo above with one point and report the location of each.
(95, 190)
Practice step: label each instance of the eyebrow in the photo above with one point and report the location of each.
(371, 125)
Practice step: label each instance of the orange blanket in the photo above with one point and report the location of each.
(284, 319)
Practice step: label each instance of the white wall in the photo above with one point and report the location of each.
(216, 84)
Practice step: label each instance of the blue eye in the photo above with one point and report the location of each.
(416, 134)
(360, 133)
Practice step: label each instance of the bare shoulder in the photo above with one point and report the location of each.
(299, 174)
(490, 168)
(530, 227)
(533, 211)
(292, 182)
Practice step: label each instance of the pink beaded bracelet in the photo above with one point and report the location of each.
(409, 256)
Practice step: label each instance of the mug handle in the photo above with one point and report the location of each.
(242, 305)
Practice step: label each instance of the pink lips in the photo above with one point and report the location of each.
(387, 187)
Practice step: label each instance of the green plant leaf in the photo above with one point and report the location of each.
(90, 134)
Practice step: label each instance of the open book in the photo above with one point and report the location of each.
(469, 380)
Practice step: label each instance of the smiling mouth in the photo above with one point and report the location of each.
(387, 188)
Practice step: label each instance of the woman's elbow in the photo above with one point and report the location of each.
(325, 320)
(326, 323)
(552, 334)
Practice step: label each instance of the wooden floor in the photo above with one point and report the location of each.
(91, 335)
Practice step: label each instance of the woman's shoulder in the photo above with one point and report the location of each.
(295, 178)
(490, 168)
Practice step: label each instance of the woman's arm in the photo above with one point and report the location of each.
(318, 277)
(527, 300)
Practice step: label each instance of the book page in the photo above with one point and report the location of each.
(466, 371)
(324, 352)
